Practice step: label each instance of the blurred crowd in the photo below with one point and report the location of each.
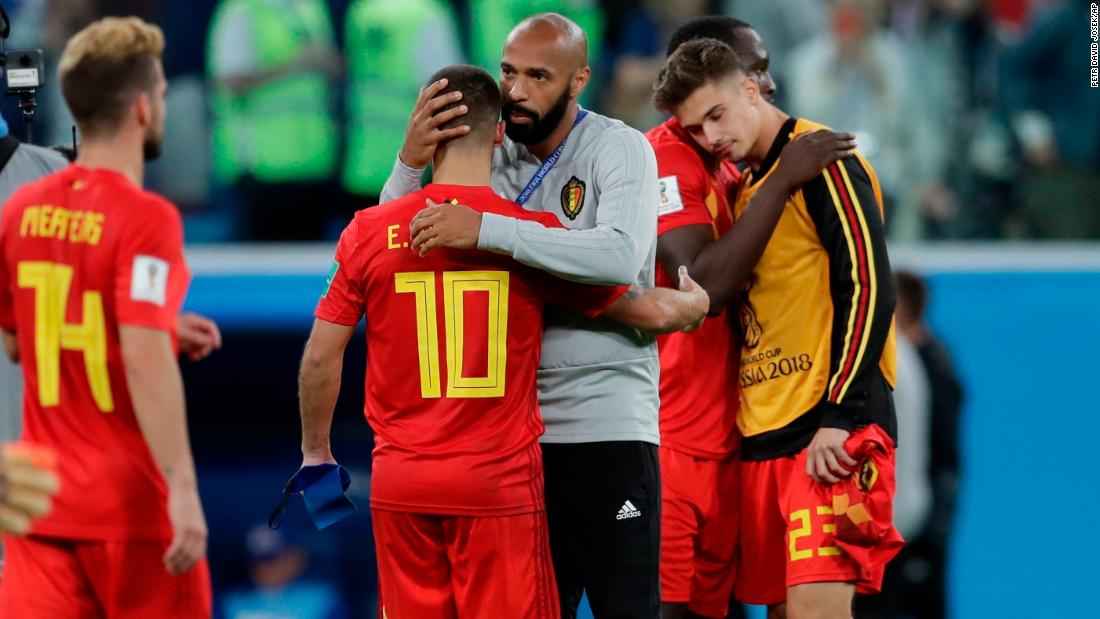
(285, 115)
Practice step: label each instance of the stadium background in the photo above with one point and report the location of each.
(994, 143)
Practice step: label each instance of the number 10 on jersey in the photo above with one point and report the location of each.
(422, 285)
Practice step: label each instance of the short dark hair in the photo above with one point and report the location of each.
(719, 27)
(692, 65)
(480, 95)
(104, 66)
(912, 292)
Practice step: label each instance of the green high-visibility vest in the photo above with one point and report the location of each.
(492, 20)
(381, 39)
(282, 130)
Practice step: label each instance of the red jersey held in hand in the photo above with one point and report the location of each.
(699, 390)
(83, 251)
(453, 342)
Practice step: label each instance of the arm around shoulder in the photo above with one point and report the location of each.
(617, 247)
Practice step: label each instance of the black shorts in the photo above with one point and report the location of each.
(603, 505)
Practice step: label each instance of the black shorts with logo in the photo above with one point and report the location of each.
(603, 504)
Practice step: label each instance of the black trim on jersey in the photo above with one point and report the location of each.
(876, 406)
(842, 204)
(778, 143)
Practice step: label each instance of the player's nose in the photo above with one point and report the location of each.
(516, 91)
(769, 85)
(711, 134)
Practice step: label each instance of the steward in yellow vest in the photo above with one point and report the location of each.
(393, 47)
(271, 65)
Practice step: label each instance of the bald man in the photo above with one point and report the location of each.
(597, 379)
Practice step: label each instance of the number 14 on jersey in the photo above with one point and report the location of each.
(50, 283)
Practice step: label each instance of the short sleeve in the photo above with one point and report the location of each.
(151, 276)
(342, 301)
(683, 187)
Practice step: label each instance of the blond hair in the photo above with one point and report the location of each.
(104, 66)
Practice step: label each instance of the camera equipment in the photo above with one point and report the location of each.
(24, 72)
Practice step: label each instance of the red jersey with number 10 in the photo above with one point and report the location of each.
(699, 390)
(83, 251)
(453, 342)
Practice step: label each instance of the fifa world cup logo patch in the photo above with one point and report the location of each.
(572, 197)
(751, 330)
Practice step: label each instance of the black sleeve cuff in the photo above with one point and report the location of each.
(840, 416)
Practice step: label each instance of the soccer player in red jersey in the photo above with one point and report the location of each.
(700, 484)
(454, 341)
(92, 277)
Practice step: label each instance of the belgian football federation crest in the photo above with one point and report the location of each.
(868, 475)
(572, 197)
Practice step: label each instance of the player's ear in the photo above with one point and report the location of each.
(498, 136)
(579, 82)
(751, 89)
(143, 108)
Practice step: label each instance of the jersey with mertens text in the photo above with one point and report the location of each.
(699, 394)
(817, 317)
(454, 340)
(83, 252)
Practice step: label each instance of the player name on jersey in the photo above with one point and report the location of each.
(63, 224)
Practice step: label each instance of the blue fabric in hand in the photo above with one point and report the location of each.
(322, 487)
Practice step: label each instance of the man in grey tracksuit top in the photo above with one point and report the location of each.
(26, 163)
(598, 379)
